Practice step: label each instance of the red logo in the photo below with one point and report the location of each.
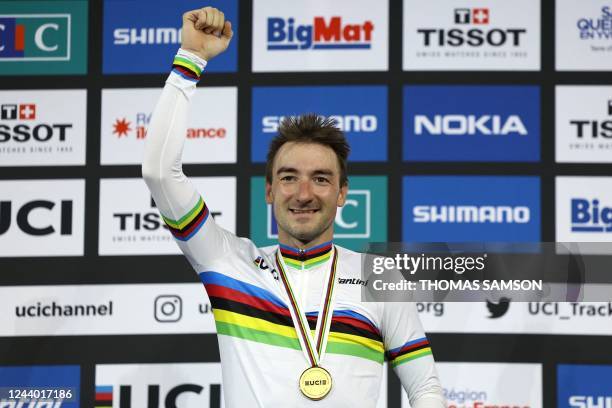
(121, 127)
(480, 16)
(27, 111)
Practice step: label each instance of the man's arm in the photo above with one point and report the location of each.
(410, 355)
(205, 34)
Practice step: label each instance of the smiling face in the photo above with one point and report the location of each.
(305, 193)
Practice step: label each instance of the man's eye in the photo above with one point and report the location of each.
(321, 180)
(288, 178)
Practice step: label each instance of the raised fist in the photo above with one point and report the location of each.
(205, 32)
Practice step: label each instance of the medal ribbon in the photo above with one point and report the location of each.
(313, 353)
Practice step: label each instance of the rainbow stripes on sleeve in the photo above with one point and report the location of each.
(410, 351)
(186, 68)
(187, 226)
(251, 313)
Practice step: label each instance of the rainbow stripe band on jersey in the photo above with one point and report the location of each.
(187, 226)
(186, 68)
(251, 313)
(306, 259)
(410, 351)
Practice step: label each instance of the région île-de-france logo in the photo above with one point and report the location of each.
(599, 28)
(321, 34)
(34, 37)
(122, 128)
(473, 37)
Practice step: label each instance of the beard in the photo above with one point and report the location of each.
(304, 233)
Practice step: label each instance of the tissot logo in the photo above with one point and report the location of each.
(188, 385)
(135, 226)
(584, 130)
(471, 123)
(474, 37)
(470, 36)
(320, 34)
(42, 127)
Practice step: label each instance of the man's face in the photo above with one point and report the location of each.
(305, 192)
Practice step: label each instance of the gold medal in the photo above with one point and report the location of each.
(315, 383)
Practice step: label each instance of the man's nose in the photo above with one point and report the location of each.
(304, 192)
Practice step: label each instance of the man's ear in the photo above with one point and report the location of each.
(269, 193)
(342, 195)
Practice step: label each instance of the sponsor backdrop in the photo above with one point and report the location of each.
(468, 121)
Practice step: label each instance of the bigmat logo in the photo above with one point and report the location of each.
(471, 35)
(41, 217)
(361, 112)
(194, 385)
(584, 386)
(583, 130)
(583, 35)
(61, 385)
(211, 125)
(142, 36)
(133, 225)
(584, 209)
(471, 208)
(43, 37)
(480, 385)
(316, 35)
(42, 127)
(471, 123)
(363, 218)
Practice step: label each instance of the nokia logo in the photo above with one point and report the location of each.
(499, 214)
(469, 125)
(146, 36)
(334, 34)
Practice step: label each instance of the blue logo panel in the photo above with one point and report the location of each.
(361, 111)
(57, 379)
(472, 123)
(143, 36)
(584, 386)
(471, 209)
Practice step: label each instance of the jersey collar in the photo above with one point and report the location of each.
(306, 258)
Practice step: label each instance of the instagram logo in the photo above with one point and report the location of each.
(168, 308)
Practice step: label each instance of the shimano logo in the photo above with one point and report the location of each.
(334, 34)
(471, 214)
(589, 216)
(584, 401)
(469, 125)
(146, 36)
(346, 123)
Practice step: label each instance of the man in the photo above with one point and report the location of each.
(289, 334)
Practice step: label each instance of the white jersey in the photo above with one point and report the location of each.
(261, 357)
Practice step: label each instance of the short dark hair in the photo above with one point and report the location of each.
(310, 128)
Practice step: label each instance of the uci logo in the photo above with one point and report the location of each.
(123, 399)
(352, 221)
(29, 217)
